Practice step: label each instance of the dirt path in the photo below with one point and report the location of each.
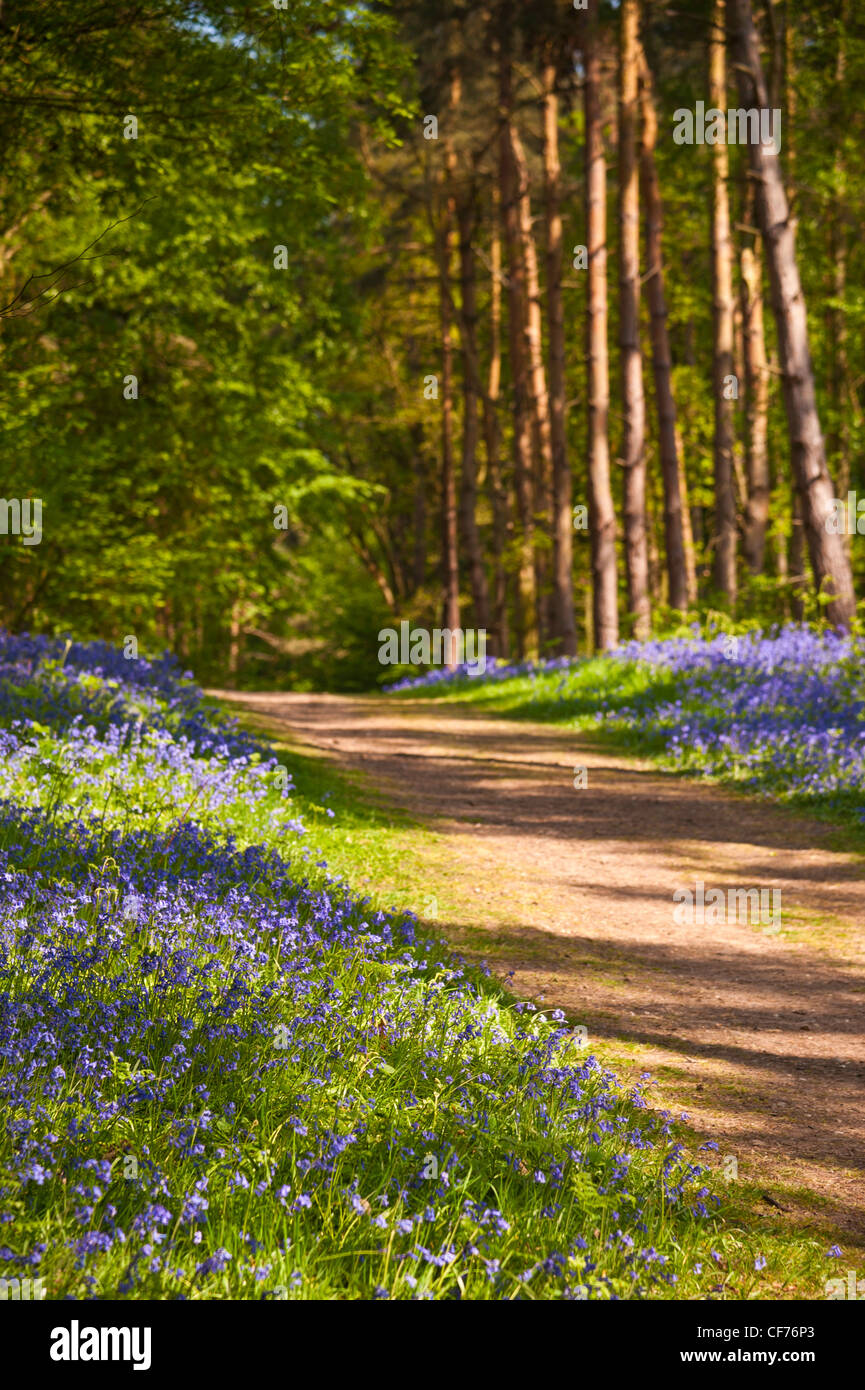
(757, 1034)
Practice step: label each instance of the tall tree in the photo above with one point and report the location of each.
(605, 612)
(827, 550)
(493, 441)
(723, 375)
(527, 617)
(446, 217)
(565, 629)
(538, 395)
(682, 584)
(757, 404)
(633, 396)
(470, 537)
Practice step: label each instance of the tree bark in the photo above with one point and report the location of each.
(565, 628)
(450, 557)
(827, 551)
(724, 539)
(468, 481)
(633, 397)
(757, 411)
(419, 511)
(493, 444)
(538, 395)
(840, 440)
(680, 595)
(605, 614)
(527, 627)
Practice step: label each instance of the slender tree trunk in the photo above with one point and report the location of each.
(565, 628)
(675, 504)
(450, 560)
(468, 483)
(687, 526)
(537, 380)
(493, 444)
(527, 609)
(633, 397)
(829, 558)
(605, 613)
(839, 376)
(722, 284)
(757, 408)
(798, 577)
(420, 491)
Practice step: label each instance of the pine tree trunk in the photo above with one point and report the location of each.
(420, 491)
(449, 554)
(565, 629)
(493, 444)
(469, 536)
(527, 629)
(675, 504)
(633, 397)
(722, 284)
(605, 613)
(537, 380)
(757, 411)
(829, 559)
(839, 379)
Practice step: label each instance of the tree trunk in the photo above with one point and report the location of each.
(565, 628)
(493, 445)
(633, 398)
(839, 376)
(468, 482)
(828, 553)
(419, 527)
(537, 379)
(757, 411)
(675, 504)
(605, 614)
(450, 560)
(527, 608)
(722, 287)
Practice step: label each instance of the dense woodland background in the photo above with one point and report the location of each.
(339, 250)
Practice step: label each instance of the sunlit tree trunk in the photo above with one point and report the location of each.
(633, 396)
(675, 504)
(605, 616)
(537, 380)
(527, 608)
(450, 561)
(724, 538)
(757, 410)
(829, 559)
(565, 629)
(468, 481)
(493, 444)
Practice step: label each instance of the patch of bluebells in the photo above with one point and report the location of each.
(781, 711)
(221, 1074)
(495, 669)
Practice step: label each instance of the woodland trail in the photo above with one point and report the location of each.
(757, 1034)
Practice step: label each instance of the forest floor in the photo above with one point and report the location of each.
(755, 1032)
